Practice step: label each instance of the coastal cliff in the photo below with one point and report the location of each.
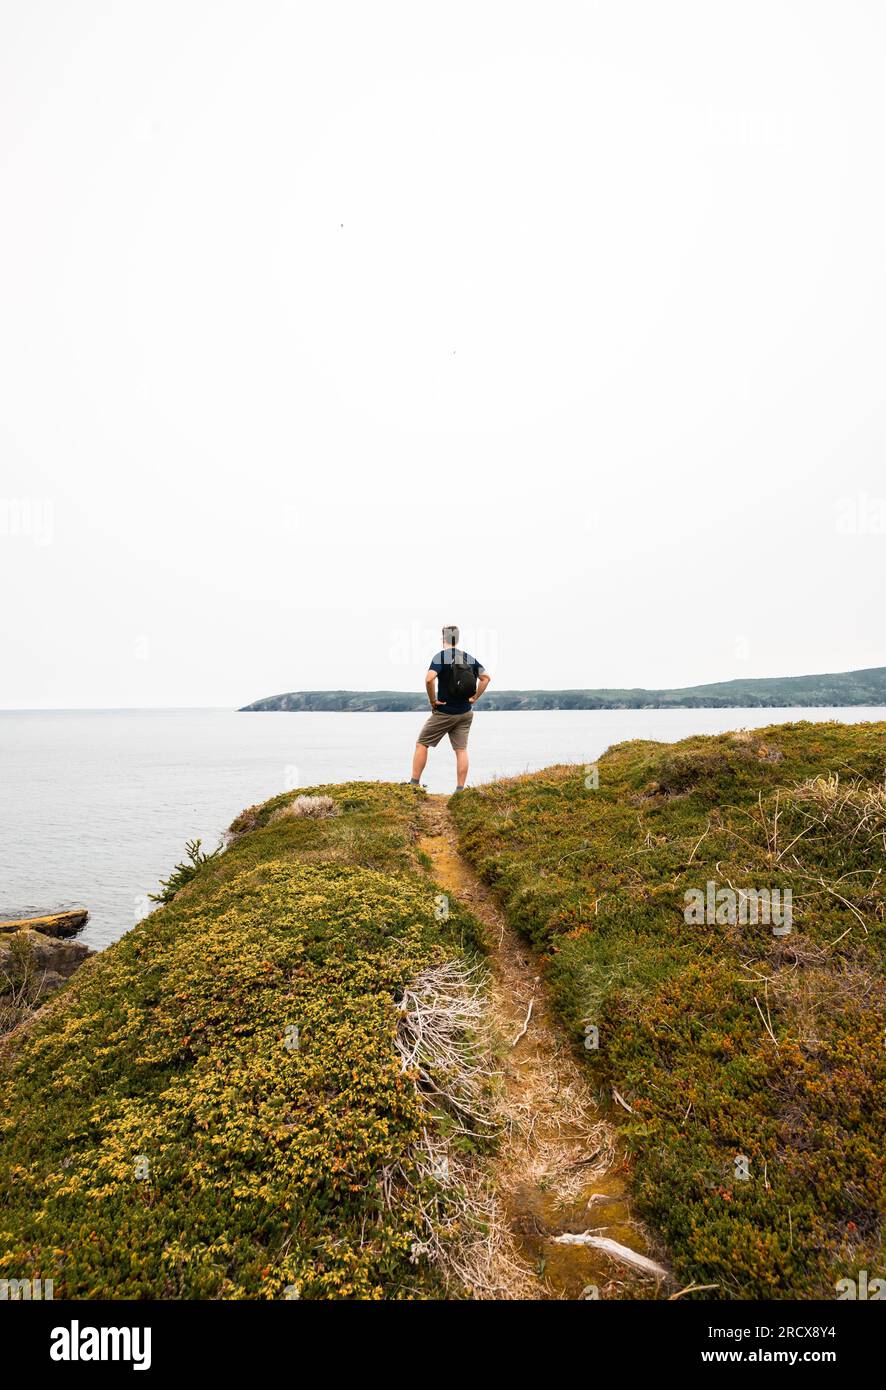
(287, 1083)
(217, 1105)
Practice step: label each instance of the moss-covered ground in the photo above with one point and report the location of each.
(207, 1108)
(737, 1049)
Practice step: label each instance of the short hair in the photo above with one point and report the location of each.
(450, 635)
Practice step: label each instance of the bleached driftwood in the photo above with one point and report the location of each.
(522, 1032)
(618, 1252)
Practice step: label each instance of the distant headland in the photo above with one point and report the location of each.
(867, 687)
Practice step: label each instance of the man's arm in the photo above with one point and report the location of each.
(430, 683)
(481, 686)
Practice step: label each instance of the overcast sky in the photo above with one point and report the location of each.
(324, 324)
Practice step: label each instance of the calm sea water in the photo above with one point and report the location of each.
(96, 806)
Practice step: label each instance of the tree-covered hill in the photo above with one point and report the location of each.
(866, 687)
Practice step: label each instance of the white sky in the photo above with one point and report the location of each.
(322, 324)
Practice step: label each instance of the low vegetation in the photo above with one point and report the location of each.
(231, 1102)
(745, 1058)
(280, 1083)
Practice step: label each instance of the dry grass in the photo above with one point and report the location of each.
(556, 1148)
(853, 810)
(20, 985)
(443, 1038)
(444, 1043)
(317, 807)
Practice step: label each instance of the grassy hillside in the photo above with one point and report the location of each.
(844, 688)
(215, 1107)
(736, 1049)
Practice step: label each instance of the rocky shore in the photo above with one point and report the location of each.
(37, 956)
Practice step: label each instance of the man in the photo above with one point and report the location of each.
(460, 681)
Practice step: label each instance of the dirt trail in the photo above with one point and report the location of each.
(560, 1169)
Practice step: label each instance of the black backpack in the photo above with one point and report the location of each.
(462, 678)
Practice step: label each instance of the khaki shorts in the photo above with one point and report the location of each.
(457, 726)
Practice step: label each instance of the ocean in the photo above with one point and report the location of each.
(96, 805)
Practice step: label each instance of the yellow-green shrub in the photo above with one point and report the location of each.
(164, 1131)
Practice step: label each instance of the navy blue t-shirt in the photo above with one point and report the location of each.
(441, 666)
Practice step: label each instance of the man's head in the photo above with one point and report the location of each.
(450, 635)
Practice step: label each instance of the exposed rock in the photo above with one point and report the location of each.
(53, 924)
(51, 981)
(32, 966)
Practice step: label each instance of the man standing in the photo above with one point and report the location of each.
(460, 681)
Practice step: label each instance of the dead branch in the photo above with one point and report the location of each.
(617, 1252)
(522, 1032)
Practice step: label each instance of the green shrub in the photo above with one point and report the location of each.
(208, 1110)
(726, 1040)
(183, 873)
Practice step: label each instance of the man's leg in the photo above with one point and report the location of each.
(418, 761)
(458, 737)
(432, 731)
(461, 767)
